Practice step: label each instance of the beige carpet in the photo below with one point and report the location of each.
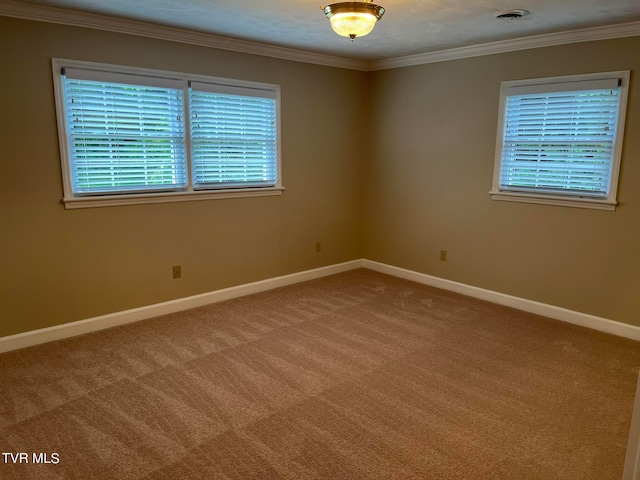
(358, 375)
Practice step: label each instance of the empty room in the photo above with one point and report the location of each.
(269, 240)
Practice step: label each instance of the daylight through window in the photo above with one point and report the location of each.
(138, 136)
(560, 140)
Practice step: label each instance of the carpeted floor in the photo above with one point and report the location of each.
(357, 375)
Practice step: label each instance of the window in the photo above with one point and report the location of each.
(559, 140)
(131, 135)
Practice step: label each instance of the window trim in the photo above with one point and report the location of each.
(559, 199)
(72, 201)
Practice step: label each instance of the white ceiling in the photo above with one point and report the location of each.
(408, 27)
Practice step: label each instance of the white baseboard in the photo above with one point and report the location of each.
(583, 319)
(72, 329)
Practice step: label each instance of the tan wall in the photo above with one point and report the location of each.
(62, 265)
(427, 186)
(421, 184)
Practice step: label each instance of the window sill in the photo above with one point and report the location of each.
(166, 197)
(554, 200)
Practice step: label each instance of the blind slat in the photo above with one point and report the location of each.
(560, 139)
(124, 136)
(561, 89)
(127, 132)
(233, 138)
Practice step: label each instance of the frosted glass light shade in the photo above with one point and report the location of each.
(353, 19)
(353, 23)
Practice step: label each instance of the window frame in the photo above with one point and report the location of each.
(561, 198)
(188, 193)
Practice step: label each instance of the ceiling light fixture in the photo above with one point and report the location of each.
(353, 19)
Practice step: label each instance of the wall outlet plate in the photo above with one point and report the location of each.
(177, 271)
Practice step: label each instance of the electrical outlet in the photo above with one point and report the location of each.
(443, 255)
(318, 247)
(177, 271)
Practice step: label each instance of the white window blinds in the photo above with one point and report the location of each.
(233, 136)
(133, 135)
(124, 137)
(560, 138)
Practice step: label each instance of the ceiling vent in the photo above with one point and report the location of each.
(515, 14)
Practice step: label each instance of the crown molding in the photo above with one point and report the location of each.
(9, 8)
(537, 41)
(133, 27)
